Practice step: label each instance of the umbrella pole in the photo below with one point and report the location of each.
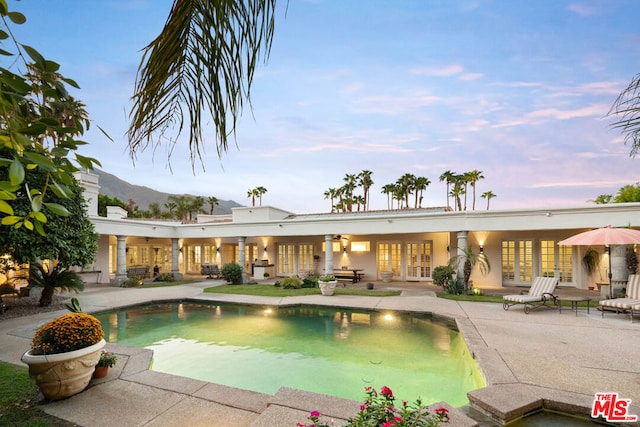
(610, 275)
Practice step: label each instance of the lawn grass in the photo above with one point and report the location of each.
(18, 396)
(272, 291)
(164, 284)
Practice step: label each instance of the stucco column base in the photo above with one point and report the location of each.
(177, 276)
(245, 277)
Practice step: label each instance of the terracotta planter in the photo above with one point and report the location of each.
(327, 288)
(100, 372)
(63, 374)
(386, 276)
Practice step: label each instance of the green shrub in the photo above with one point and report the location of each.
(232, 273)
(164, 277)
(454, 287)
(132, 282)
(292, 282)
(442, 275)
(310, 282)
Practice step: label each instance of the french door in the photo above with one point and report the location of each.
(418, 260)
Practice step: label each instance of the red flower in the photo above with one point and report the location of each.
(388, 424)
(386, 391)
(314, 414)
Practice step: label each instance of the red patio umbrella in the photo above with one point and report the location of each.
(604, 236)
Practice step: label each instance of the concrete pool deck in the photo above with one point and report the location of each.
(545, 359)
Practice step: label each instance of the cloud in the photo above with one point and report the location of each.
(448, 70)
(393, 105)
(471, 76)
(544, 115)
(581, 9)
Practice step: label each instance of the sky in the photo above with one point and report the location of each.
(518, 90)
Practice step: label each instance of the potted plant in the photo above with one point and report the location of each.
(327, 284)
(64, 353)
(265, 275)
(107, 360)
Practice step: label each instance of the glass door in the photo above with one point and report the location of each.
(389, 258)
(419, 261)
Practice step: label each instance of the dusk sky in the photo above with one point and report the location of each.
(516, 89)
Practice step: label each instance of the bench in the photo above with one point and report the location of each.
(352, 276)
(138, 271)
(210, 270)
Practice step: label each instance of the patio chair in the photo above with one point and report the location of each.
(630, 302)
(210, 270)
(539, 294)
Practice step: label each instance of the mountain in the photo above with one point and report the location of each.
(112, 186)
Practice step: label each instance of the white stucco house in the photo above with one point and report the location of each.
(520, 244)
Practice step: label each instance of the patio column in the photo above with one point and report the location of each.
(619, 271)
(175, 257)
(241, 258)
(121, 260)
(328, 254)
(460, 251)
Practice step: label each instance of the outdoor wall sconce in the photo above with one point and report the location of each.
(344, 249)
(265, 248)
(481, 249)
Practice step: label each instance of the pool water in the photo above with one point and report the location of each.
(325, 350)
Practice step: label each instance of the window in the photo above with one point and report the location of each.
(508, 261)
(305, 259)
(556, 259)
(517, 261)
(525, 255)
(389, 258)
(360, 247)
(419, 260)
(286, 257)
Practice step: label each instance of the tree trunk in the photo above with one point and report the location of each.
(47, 296)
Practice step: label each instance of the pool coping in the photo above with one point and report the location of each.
(503, 399)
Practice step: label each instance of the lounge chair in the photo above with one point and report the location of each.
(540, 292)
(210, 270)
(630, 302)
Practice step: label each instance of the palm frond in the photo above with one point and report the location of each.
(201, 64)
(627, 110)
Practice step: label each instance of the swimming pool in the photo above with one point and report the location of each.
(325, 350)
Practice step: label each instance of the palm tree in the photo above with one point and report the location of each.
(627, 108)
(359, 201)
(603, 199)
(331, 193)
(182, 206)
(201, 64)
(350, 184)
(447, 176)
(466, 179)
(421, 184)
(488, 195)
(474, 176)
(457, 191)
(195, 206)
(212, 201)
(252, 194)
(52, 279)
(470, 259)
(406, 184)
(389, 189)
(171, 206)
(261, 191)
(366, 182)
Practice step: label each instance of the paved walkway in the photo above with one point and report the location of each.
(544, 359)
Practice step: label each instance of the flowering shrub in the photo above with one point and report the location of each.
(379, 410)
(70, 332)
(107, 359)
